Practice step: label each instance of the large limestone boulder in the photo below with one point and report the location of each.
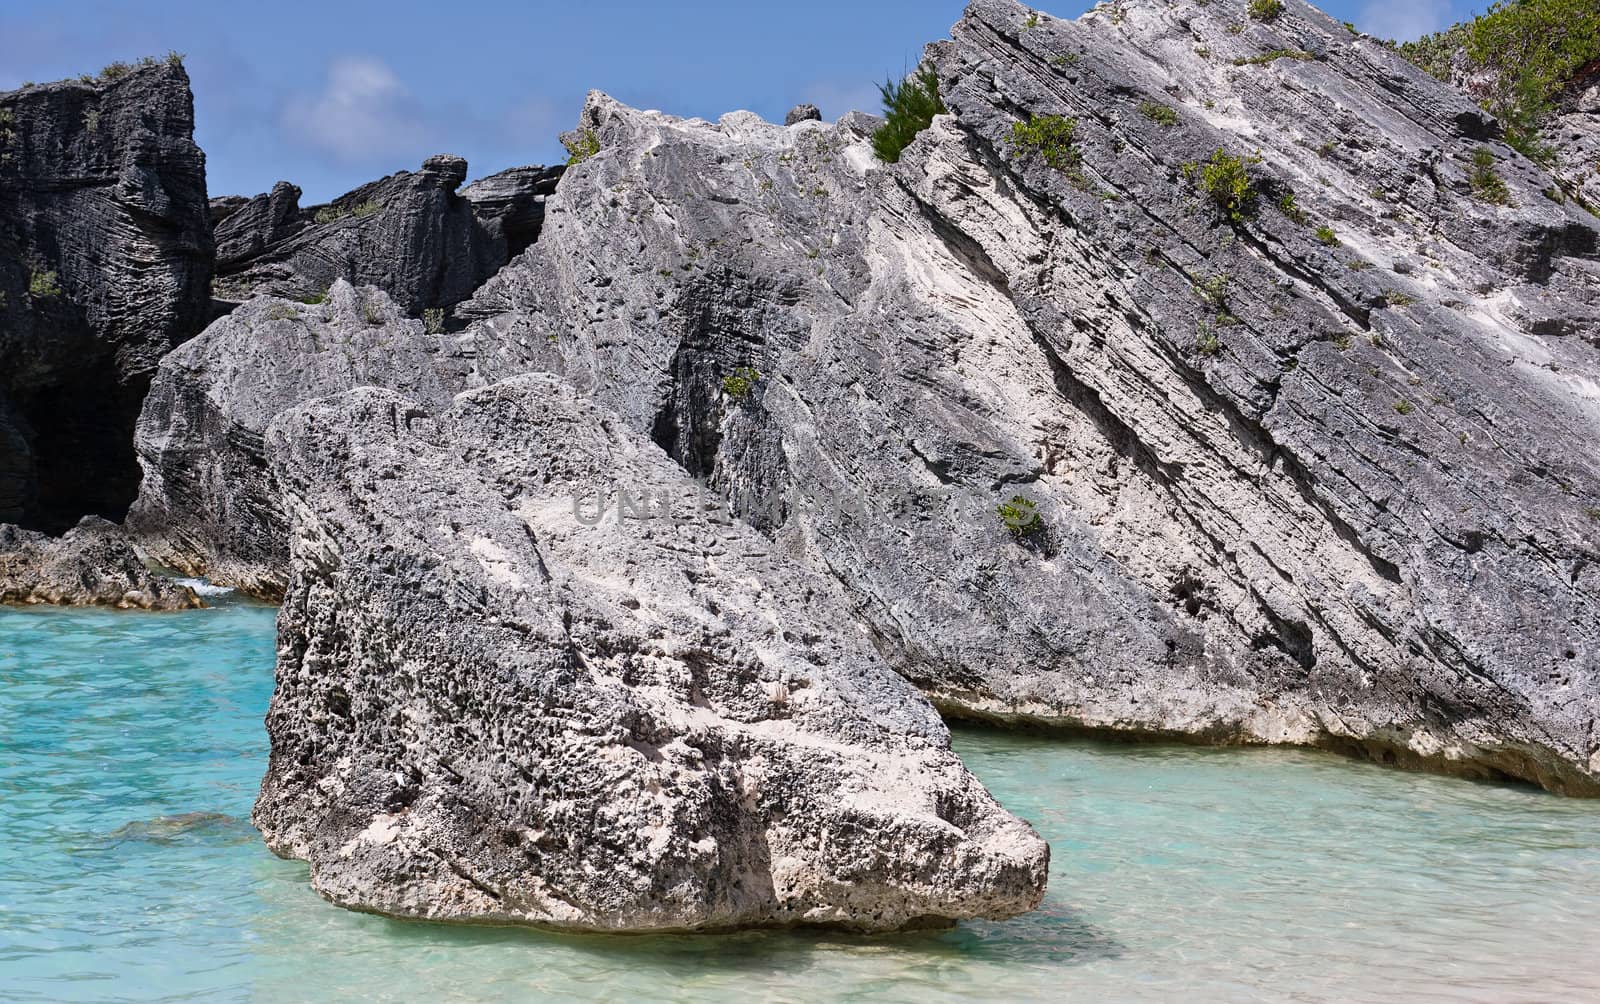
(1322, 474)
(490, 708)
(207, 504)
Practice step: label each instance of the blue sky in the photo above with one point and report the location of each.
(332, 94)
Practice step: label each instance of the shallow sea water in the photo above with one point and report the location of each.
(131, 746)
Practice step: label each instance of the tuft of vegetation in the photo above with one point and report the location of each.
(908, 108)
(315, 298)
(42, 285)
(1159, 113)
(581, 146)
(330, 214)
(1327, 236)
(369, 208)
(1020, 516)
(1265, 10)
(1290, 207)
(1206, 342)
(433, 320)
(372, 312)
(1487, 185)
(1593, 513)
(1275, 55)
(1396, 298)
(740, 382)
(1031, 23)
(115, 71)
(282, 312)
(1050, 137)
(1225, 180)
(1404, 407)
(1524, 52)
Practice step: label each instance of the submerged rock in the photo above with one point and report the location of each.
(1315, 468)
(105, 257)
(490, 710)
(91, 565)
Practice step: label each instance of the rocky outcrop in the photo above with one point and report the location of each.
(490, 708)
(802, 113)
(511, 204)
(1312, 468)
(1574, 137)
(105, 258)
(92, 565)
(410, 234)
(207, 504)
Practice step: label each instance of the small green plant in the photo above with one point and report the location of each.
(1158, 113)
(1226, 181)
(1031, 23)
(1487, 185)
(312, 299)
(42, 285)
(1206, 341)
(1265, 10)
(174, 58)
(740, 382)
(1593, 513)
(1404, 407)
(1290, 207)
(1358, 265)
(433, 320)
(582, 145)
(1214, 290)
(1275, 55)
(1343, 342)
(372, 312)
(1049, 136)
(1020, 516)
(908, 108)
(330, 214)
(1396, 298)
(282, 312)
(371, 207)
(1202, 51)
(115, 71)
(1328, 237)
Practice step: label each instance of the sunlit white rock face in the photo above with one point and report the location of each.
(1322, 475)
(491, 708)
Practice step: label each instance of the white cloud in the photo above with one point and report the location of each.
(1405, 20)
(364, 112)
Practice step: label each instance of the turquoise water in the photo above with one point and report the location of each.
(131, 746)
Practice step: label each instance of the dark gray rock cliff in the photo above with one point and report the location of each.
(412, 234)
(105, 260)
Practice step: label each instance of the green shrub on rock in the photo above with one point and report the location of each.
(1048, 136)
(908, 108)
(1225, 180)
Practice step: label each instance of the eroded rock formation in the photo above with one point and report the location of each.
(412, 234)
(1320, 474)
(105, 258)
(490, 710)
(207, 504)
(91, 565)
